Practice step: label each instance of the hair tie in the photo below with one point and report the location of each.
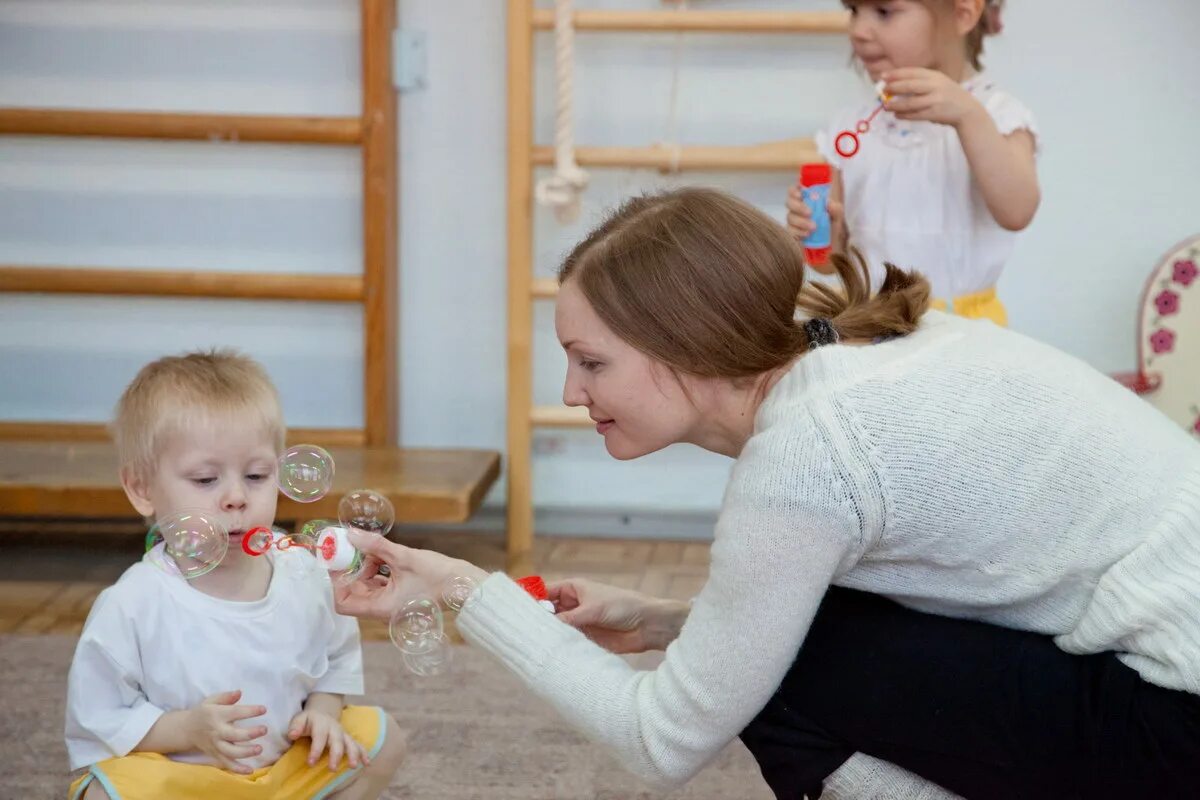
(820, 332)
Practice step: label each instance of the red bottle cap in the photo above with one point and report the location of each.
(817, 256)
(815, 174)
(534, 585)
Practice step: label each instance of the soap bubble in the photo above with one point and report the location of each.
(459, 593)
(193, 544)
(305, 473)
(367, 510)
(433, 660)
(415, 628)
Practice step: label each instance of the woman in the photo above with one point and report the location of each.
(1043, 517)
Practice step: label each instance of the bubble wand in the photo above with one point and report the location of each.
(847, 142)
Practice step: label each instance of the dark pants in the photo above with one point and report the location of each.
(984, 711)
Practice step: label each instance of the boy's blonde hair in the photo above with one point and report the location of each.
(180, 392)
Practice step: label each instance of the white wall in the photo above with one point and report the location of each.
(1115, 87)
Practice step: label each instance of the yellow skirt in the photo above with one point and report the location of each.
(152, 776)
(979, 305)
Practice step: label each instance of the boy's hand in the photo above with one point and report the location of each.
(799, 218)
(210, 729)
(926, 94)
(326, 730)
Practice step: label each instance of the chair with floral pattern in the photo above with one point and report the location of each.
(1168, 337)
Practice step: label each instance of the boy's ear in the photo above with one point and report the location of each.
(137, 490)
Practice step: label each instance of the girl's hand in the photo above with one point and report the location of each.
(799, 217)
(619, 620)
(928, 95)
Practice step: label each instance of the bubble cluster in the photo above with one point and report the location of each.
(417, 629)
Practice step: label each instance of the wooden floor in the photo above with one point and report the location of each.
(50, 572)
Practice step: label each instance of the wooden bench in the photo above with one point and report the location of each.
(79, 479)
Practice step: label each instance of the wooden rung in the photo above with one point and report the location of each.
(783, 155)
(34, 431)
(169, 283)
(544, 287)
(705, 21)
(163, 125)
(560, 417)
(79, 479)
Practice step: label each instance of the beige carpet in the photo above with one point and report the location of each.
(475, 734)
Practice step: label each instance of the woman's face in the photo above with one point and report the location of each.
(637, 404)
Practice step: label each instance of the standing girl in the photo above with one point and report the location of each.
(946, 175)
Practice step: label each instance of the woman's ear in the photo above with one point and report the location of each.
(137, 489)
(967, 14)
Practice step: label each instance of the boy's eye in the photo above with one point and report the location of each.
(257, 476)
(204, 481)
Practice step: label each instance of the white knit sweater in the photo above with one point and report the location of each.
(964, 470)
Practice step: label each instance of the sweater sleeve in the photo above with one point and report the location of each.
(785, 529)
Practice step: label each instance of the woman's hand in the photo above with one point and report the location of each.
(929, 95)
(619, 620)
(413, 573)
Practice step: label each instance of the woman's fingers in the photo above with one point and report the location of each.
(395, 556)
(564, 594)
(362, 599)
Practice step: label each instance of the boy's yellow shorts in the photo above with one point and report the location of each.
(151, 776)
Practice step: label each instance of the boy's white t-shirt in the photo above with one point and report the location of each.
(152, 644)
(910, 198)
